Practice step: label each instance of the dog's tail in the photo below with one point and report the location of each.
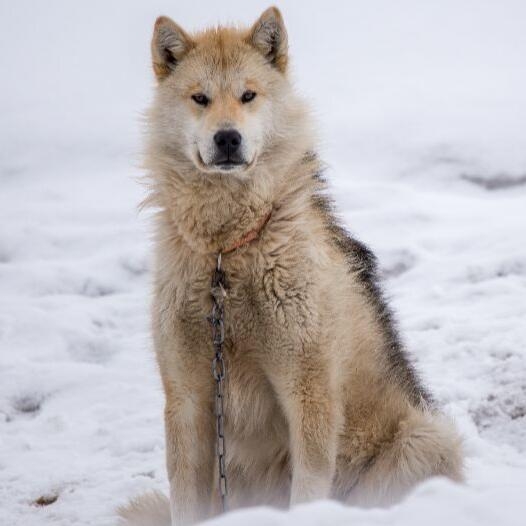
(150, 509)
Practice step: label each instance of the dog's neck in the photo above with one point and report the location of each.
(223, 213)
(247, 238)
(214, 215)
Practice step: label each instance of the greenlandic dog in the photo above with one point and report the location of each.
(321, 399)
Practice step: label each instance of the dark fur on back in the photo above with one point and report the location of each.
(363, 263)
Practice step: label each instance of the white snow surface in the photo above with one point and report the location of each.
(422, 114)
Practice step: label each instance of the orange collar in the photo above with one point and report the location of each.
(250, 236)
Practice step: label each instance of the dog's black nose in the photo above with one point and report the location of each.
(227, 141)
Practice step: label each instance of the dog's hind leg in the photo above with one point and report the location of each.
(424, 446)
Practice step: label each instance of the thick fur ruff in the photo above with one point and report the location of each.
(321, 398)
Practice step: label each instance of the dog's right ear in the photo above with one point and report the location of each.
(169, 44)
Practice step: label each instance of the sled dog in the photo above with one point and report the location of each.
(321, 399)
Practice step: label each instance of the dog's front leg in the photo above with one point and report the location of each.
(189, 447)
(305, 392)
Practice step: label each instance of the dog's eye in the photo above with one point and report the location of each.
(201, 99)
(248, 96)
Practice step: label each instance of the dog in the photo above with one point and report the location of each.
(321, 400)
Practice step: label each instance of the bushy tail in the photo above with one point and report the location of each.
(150, 509)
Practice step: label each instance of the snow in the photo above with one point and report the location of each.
(421, 108)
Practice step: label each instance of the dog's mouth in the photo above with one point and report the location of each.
(224, 165)
(229, 164)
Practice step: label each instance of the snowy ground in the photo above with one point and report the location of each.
(423, 109)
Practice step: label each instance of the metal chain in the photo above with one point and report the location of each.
(216, 319)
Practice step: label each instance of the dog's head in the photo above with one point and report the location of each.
(222, 93)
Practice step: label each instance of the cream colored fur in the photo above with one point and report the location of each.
(320, 401)
(150, 509)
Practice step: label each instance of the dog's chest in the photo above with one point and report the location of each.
(257, 312)
(273, 302)
(263, 308)
(265, 312)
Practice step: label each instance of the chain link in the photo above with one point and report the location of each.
(217, 321)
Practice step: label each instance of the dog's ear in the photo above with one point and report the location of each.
(169, 44)
(269, 36)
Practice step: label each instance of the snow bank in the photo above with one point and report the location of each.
(435, 503)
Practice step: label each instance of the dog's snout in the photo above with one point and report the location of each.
(227, 141)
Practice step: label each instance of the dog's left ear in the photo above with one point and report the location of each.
(269, 36)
